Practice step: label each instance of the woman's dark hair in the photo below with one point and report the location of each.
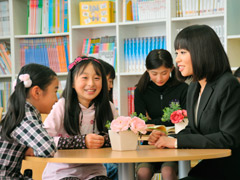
(209, 60)
(109, 70)
(42, 77)
(155, 59)
(237, 73)
(103, 111)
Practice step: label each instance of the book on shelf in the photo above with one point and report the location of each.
(5, 58)
(136, 50)
(47, 16)
(62, 85)
(5, 92)
(96, 12)
(130, 93)
(101, 47)
(186, 8)
(4, 18)
(51, 52)
(127, 10)
(143, 9)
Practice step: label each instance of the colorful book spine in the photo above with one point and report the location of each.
(51, 52)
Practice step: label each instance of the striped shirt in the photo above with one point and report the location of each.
(29, 133)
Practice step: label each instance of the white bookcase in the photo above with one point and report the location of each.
(168, 27)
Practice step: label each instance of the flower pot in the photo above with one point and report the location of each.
(123, 140)
(181, 125)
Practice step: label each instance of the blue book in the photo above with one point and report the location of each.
(65, 16)
(129, 54)
(140, 50)
(153, 43)
(137, 56)
(164, 42)
(133, 53)
(65, 40)
(50, 12)
(126, 55)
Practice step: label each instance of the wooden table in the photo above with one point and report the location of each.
(128, 158)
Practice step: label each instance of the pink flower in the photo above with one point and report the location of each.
(177, 116)
(184, 112)
(122, 123)
(138, 125)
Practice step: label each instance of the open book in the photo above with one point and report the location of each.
(167, 130)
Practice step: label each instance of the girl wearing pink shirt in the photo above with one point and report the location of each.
(77, 120)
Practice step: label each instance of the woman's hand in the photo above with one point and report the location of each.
(154, 136)
(29, 152)
(94, 141)
(165, 141)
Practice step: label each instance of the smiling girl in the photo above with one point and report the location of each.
(79, 117)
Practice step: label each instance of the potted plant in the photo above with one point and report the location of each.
(124, 132)
(176, 115)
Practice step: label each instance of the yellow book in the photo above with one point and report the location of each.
(96, 12)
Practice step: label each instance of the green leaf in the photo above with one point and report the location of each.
(167, 111)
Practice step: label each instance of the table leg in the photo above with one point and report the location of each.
(126, 171)
(183, 168)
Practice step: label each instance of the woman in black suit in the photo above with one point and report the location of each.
(213, 104)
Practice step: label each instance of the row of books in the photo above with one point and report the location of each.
(96, 12)
(219, 29)
(4, 18)
(185, 8)
(5, 92)
(51, 52)
(102, 47)
(139, 10)
(47, 16)
(130, 97)
(5, 58)
(137, 49)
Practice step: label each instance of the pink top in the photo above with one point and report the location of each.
(54, 126)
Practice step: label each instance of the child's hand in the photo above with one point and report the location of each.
(29, 152)
(94, 141)
(154, 136)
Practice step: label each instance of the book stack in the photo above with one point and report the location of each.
(5, 58)
(131, 108)
(5, 92)
(96, 12)
(103, 48)
(137, 49)
(51, 52)
(4, 18)
(47, 16)
(141, 10)
(185, 8)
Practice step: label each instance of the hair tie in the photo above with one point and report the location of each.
(25, 78)
(79, 59)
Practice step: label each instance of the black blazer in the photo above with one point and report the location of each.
(218, 126)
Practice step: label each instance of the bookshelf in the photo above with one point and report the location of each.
(167, 26)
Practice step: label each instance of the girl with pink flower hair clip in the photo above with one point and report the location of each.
(77, 120)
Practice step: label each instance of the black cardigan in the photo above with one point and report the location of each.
(156, 98)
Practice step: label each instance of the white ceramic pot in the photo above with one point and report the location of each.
(124, 140)
(181, 125)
